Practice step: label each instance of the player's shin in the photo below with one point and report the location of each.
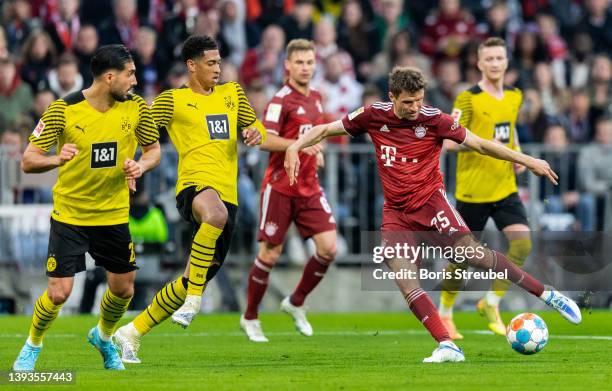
(518, 251)
(450, 290)
(45, 313)
(165, 302)
(112, 308)
(314, 271)
(201, 257)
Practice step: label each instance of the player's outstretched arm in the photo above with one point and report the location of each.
(35, 160)
(312, 137)
(486, 147)
(276, 143)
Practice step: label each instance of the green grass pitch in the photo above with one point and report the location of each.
(348, 352)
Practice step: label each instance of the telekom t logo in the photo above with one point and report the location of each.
(388, 155)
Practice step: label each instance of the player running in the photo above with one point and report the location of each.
(295, 108)
(486, 187)
(202, 119)
(408, 139)
(96, 132)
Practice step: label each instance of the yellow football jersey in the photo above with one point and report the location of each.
(482, 178)
(204, 131)
(91, 189)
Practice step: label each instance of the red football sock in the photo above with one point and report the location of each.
(256, 287)
(515, 274)
(424, 309)
(313, 274)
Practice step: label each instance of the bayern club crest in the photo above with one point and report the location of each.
(420, 131)
(270, 229)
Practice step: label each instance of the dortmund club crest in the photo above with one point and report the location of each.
(229, 103)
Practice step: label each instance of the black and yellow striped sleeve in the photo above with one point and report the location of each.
(163, 109)
(462, 108)
(246, 114)
(50, 126)
(146, 132)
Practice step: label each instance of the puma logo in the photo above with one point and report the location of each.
(194, 105)
(80, 128)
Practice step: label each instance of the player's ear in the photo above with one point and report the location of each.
(190, 65)
(391, 96)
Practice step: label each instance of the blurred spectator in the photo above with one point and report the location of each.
(177, 76)
(325, 46)
(229, 72)
(532, 120)
(12, 143)
(448, 76)
(597, 22)
(600, 84)
(553, 98)
(341, 91)
(498, 23)
(151, 65)
(579, 117)
(267, 12)
(555, 46)
(594, 164)
(18, 22)
(264, 63)
(64, 24)
(447, 30)
(86, 45)
(356, 35)
(233, 29)
(4, 52)
(388, 21)
(528, 51)
(179, 25)
(577, 66)
(565, 197)
(400, 43)
(15, 96)
(123, 26)
(65, 78)
(298, 24)
(42, 100)
(209, 23)
(37, 59)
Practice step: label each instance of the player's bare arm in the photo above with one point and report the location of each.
(486, 147)
(35, 160)
(312, 137)
(151, 156)
(276, 143)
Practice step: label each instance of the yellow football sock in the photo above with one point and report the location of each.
(169, 299)
(112, 309)
(450, 289)
(45, 313)
(201, 257)
(518, 251)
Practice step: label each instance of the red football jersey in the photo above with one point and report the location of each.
(290, 114)
(408, 152)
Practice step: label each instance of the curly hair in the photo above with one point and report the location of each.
(409, 79)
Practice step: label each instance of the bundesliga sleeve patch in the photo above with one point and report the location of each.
(456, 114)
(39, 129)
(273, 113)
(355, 113)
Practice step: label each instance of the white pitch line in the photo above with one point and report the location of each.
(322, 333)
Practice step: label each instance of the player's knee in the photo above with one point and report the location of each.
(124, 292)
(58, 296)
(216, 216)
(327, 254)
(269, 253)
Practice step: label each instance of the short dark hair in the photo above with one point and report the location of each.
(109, 57)
(409, 79)
(195, 46)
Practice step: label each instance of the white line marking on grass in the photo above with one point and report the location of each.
(346, 333)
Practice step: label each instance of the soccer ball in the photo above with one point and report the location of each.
(527, 333)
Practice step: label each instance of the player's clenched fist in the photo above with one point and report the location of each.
(132, 169)
(68, 152)
(251, 136)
